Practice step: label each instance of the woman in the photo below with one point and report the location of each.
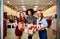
(41, 25)
(30, 20)
(19, 27)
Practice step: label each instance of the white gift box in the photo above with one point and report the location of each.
(29, 25)
(30, 31)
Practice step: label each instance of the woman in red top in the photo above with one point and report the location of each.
(19, 26)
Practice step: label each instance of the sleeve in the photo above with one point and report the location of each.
(35, 20)
(26, 19)
(44, 22)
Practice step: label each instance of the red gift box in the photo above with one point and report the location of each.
(30, 31)
(22, 25)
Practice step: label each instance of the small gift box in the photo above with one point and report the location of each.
(39, 26)
(29, 25)
(21, 25)
(30, 31)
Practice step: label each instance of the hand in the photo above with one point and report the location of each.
(39, 28)
(35, 30)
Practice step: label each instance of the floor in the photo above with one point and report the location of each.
(11, 34)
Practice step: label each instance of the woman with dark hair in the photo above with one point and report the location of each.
(41, 25)
(30, 20)
(19, 25)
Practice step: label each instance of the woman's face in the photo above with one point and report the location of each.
(22, 14)
(38, 13)
(29, 13)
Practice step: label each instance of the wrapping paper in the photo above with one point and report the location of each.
(21, 26)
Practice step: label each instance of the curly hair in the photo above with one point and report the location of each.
(31, 10)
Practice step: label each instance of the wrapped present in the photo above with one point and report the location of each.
(30, 31)
(29, 25)
(35, 28)
(21, 26)
(39, 26)
(31, 28)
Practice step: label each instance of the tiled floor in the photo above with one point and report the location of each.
(11, 34)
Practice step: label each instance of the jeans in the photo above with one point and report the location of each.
(43, 34)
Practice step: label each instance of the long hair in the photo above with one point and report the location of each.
(22, 19)
(41, 16)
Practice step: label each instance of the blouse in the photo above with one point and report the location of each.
(43, 22)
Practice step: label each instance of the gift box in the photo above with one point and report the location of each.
(21, 26)
(31, 28)
(35, 27)
(29, 25)
(30, 31)
(38, 26)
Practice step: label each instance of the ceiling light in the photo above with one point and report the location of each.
(36, 6)
(8, 2)
(35, 9)
(50, 3)
(23, 6)
(37, 1)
